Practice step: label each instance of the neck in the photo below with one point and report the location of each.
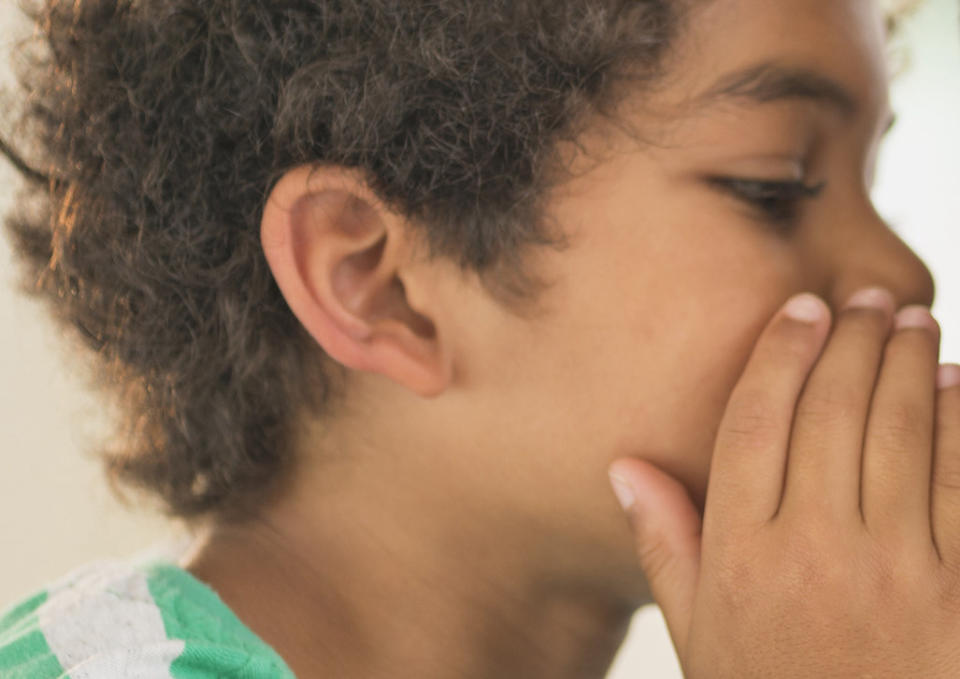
(389, 560)
(351, 593)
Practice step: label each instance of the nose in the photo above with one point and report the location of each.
(881, 258)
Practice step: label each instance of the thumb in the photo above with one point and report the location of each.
(666, 527)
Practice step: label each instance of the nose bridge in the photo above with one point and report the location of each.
(880, 257)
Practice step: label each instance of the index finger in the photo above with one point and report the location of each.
(750, 453)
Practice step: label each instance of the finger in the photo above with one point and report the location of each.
(898, 448)
(823, 465)
(746, 471)
(945, 485)
(666, 527)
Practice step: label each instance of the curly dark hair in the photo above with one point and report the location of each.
(150, 133)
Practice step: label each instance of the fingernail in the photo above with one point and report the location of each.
(623, 491)
(916, 317)
(872, 298)
(805, 307)
(948, 376)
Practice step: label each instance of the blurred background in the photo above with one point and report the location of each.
(56, 512)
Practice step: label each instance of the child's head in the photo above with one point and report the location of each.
(506, 241)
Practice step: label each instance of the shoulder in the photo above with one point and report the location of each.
(116, 618)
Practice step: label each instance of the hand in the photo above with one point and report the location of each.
(830, 540)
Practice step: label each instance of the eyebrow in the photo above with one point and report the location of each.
(771, 81)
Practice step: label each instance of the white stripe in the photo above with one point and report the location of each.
(104, 623)
(140, 662)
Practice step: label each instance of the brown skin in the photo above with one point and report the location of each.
(456, 520)
(833, 494)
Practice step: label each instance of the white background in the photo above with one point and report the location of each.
(55, 512)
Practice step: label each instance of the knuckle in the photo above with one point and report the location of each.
(738, 567)
(826, 408)
(897, 571)
(899, 422)
(809, 576)
(731, 576)
(655, 560)
(950, 601)
(736, 438)
(949, 589)
(748, 437)
(810, 563)
(754, 421)
(946, 476)
(885, 575)
(821, 556)
(823, 570)
(834, 396)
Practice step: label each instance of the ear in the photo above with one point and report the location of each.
(340, 258)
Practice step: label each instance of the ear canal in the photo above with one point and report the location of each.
(418, 323)
(392, 303)
(352, 283)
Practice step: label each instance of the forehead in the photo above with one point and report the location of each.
(841, 39)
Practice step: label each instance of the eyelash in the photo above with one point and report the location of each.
(778, 202)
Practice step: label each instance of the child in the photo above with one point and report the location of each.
(384, 287)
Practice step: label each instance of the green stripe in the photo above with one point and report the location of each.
(24, 653)
(217, 642)
(15, 617)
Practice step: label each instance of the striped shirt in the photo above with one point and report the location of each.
(121, 618)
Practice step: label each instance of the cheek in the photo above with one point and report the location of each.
(709, 367)
(652, 320)
(669, 401)
(668, 374)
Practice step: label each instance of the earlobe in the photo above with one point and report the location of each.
(340, 259)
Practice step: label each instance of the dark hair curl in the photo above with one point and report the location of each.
(152, 131)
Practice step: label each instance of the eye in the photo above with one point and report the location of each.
(775, 201)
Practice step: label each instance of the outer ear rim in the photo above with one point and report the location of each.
(346, 339)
